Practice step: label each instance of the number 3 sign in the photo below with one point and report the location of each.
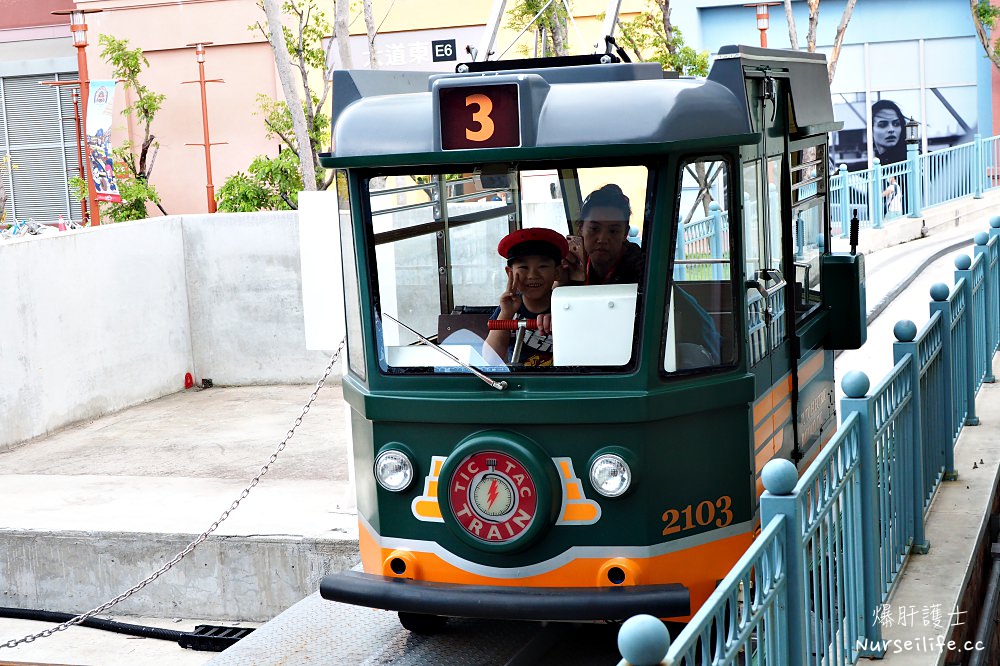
(479, 117)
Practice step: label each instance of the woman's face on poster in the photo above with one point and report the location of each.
(886, 130)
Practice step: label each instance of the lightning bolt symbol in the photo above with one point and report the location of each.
(492, 494)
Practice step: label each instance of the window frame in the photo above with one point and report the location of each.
(654, 168)
(735, 268)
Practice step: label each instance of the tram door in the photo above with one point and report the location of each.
(766, 242)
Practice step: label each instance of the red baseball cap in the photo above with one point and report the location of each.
(537, 240)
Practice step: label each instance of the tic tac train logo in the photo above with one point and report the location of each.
(493, 497)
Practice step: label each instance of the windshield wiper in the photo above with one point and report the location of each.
(492, 382)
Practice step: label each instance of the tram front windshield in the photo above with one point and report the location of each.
(438, 277)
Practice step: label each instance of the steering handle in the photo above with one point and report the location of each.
(513, 324)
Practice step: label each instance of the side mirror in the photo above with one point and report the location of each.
(844, 296)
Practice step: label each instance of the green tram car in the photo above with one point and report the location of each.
(623, 477)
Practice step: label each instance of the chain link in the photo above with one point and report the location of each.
(204, 535)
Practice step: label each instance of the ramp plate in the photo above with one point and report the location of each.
(320, 632)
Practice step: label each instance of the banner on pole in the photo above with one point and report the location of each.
(99, 109)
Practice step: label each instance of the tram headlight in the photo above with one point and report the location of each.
(610, 475)
(393, 470)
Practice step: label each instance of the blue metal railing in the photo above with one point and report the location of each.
(705, 238)
(835, 540)
(743, 615)
(886, 192)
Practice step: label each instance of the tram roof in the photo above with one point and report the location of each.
(395, 118)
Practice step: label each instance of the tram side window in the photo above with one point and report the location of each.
(809, 225)
(700, 328)
(352, 296)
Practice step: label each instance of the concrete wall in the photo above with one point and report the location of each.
(90, 322)
(96, 320)
(245, 293)
(226, 578)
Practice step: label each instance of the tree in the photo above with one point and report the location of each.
(304, 53)
(271, 184)
(552, 21)
(276, 37)
(132, 171)
(653, 37)
(838, 39)
(371, 30)
(342, 28)
(984, 16)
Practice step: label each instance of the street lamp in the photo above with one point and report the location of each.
(763, 18)
(912, 132)
(78, 28)
(199, 52)
(914, 189)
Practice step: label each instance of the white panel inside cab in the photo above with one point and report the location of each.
(322, 277)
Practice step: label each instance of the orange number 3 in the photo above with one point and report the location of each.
(482, 116)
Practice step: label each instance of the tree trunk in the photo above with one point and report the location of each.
(284, 66)
(668, 27)
(838, 41)
(342, 32)
(560, 32)
(370, 25)
(813, 22)
(793, 37)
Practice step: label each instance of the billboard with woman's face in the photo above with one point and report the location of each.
(879, 87)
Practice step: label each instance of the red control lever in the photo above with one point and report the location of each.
(512, 324)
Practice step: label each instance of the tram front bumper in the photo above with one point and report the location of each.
(503, 602)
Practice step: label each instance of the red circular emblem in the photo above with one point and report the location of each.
(493, 497)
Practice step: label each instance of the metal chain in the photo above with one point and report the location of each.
(204, 535)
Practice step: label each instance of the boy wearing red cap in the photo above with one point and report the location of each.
(533, 259)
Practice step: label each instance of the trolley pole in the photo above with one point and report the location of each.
(199, 50)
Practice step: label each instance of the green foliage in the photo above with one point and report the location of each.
(986, 15)
(132, 171)
(278, 121)
(307, 45)
(646, 36)
(554, 19)
(135, 191)
(128, 65)
(272, 183)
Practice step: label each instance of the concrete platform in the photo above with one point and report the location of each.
(88, 511)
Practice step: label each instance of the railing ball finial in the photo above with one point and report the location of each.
(982, 238)
(940, 291)
(905, 330)
(995, 221)
(643, 640)
(779, 476)
(962, 262)
(855, 384)
(714, 206)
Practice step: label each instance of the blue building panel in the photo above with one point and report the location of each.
(873, 21)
